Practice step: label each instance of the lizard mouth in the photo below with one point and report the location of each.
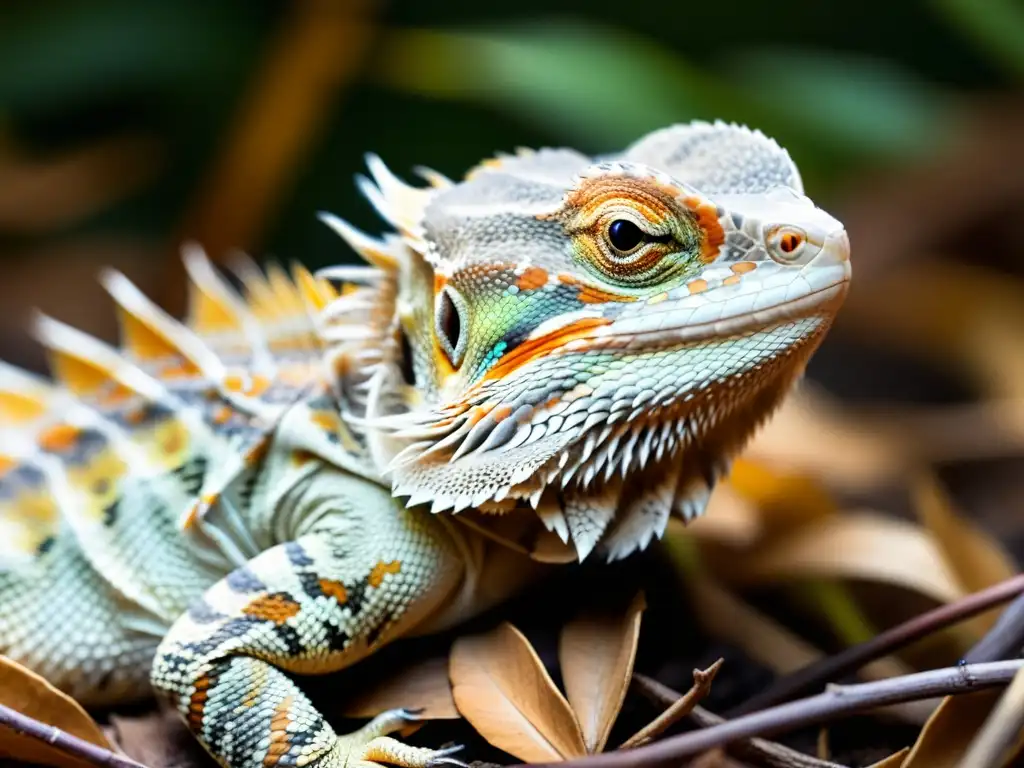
(736, 317)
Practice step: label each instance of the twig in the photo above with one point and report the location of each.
(1001, 730)
(837, 700)
(761, 751)
(1004, 639)
(816, 674)
(678, 709)
(63, 741)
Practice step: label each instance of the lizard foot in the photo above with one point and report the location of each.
(371, 746)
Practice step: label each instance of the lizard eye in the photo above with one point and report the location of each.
(624, 235)
(786, 243)
(450, 325)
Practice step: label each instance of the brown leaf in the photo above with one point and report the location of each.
(423, 685)
(158, 739)
(26, 692)
(894, 760)
(935, 313)
(1003, 732)
(501, 687)
(596, 655)
(786, 499)
(811, 435)
(44, 195)
(730, 519)
(949, 731)
(857, 545)
(975, 557)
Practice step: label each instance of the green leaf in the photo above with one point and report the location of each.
(997, 27)
(856, 104)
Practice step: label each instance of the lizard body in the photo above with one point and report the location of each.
(543, 363)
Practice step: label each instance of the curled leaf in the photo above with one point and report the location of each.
(975, 557)
(501, 687)
(596, 655)
(423, 685)
(26, 692)
(949, 731)
(857, 545)
(894, 760)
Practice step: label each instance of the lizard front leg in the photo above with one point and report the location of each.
(311, 606)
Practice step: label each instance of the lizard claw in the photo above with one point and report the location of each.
(443, 757)
(372, 747)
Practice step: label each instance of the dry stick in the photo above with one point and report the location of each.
(837, 700)
(1001, 731)
(815, 675)
(761, 751)
(1005, 638)
(678, 709)
(63, 741)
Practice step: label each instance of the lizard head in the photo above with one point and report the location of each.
(597, 339)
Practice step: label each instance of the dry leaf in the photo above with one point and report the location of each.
(936, 312)
(26, 692)
(596, 655)
(975, 557)
(894, 760)
(949, 731)
(157, 739)
(811, 435)
(423, 685)
(501, 687)
(856, 545)
(1001, 736)
(730, 519)
(786, 500)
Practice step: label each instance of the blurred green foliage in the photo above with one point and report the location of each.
(843, 85)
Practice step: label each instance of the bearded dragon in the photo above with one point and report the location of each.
(541, 364)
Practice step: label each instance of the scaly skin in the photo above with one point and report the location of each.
(546, 361)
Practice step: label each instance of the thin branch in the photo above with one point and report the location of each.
(1001, 731)
(1004, 640)
(678, 709)
(836, 701)
(761, 751)
(815, 675)
(63, 741)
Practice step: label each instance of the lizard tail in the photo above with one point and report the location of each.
(121, 493)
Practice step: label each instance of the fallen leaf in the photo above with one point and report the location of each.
(785, 499)
(423, 685)
(501, 687)
(1001, 735)
(596, 654)
(45, 195)
(894, 760)
(935, 313)
(157, 739)
(947, 734)
(856, 545)
(810, 435)
(26, 692)
(730, 519)
(977, 560)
